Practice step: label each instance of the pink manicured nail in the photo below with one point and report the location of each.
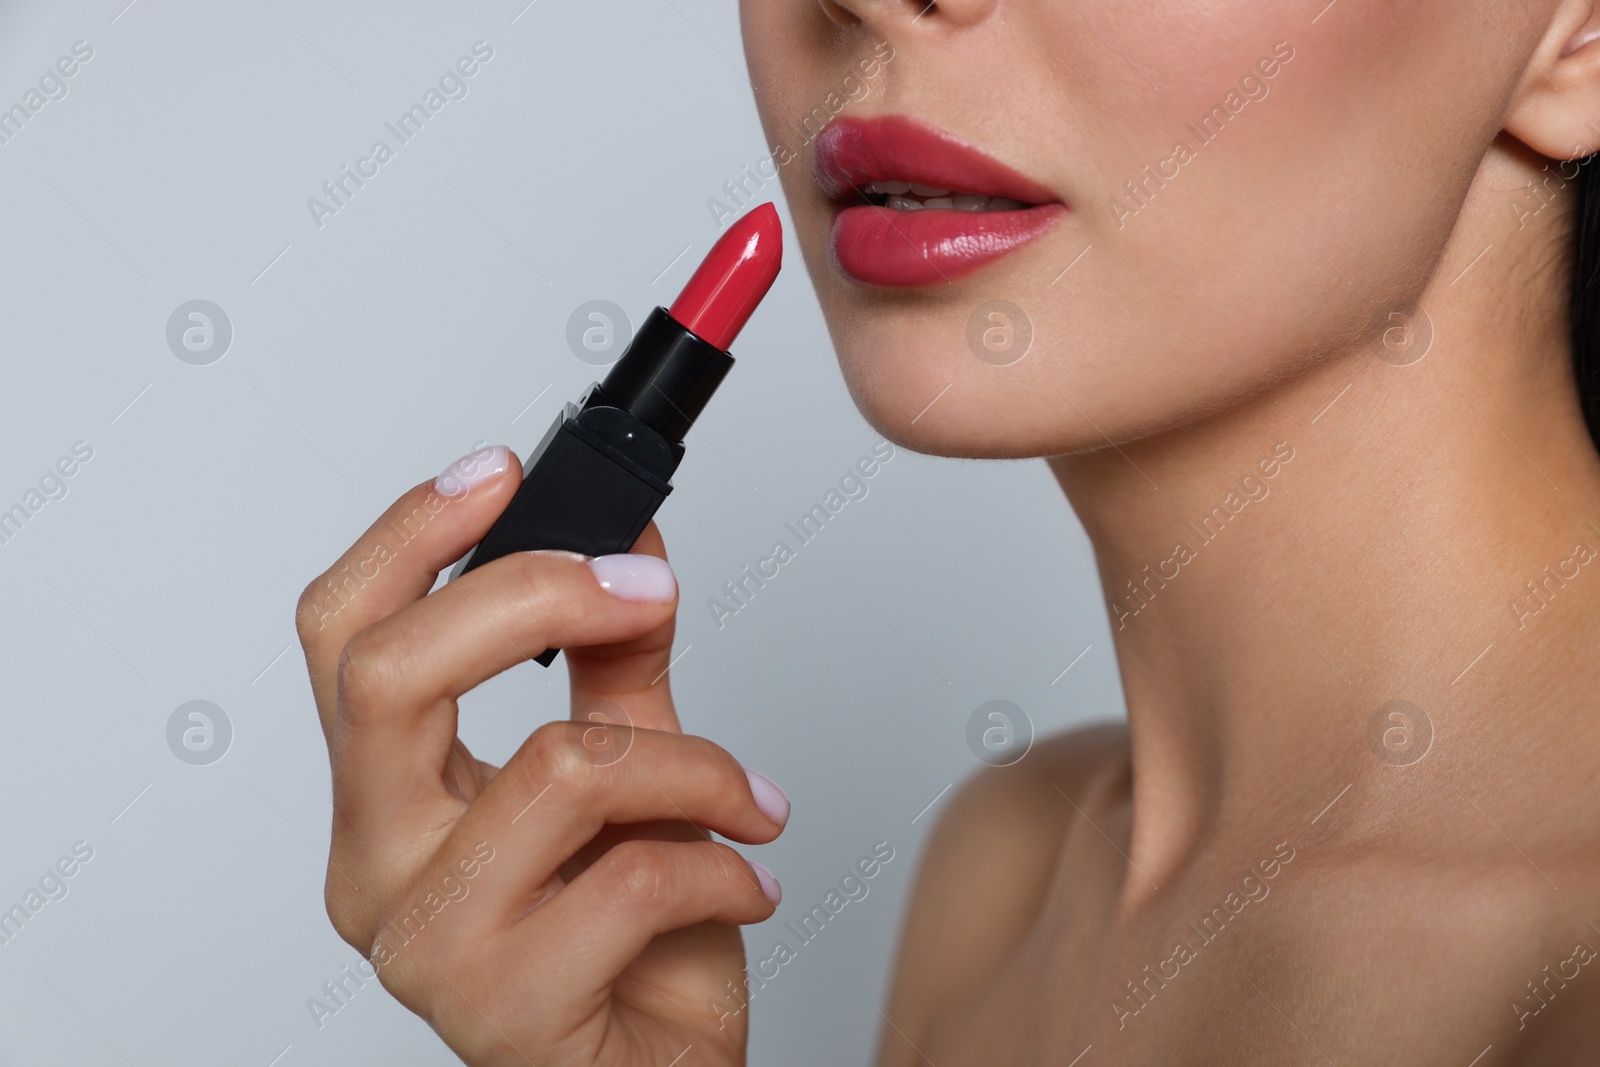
(630, 576)
(770, 798)
(471, 470)
(769, 884)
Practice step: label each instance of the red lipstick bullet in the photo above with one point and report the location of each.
(606, 463)
(735, 275)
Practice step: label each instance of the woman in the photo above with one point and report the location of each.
(1283, 291)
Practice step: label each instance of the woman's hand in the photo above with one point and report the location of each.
(567, 908)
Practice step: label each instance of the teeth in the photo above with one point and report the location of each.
(923, 196)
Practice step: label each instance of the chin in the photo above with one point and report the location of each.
(910, 363)
(925, 394)
(914, 377)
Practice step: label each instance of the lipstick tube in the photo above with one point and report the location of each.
(606, 463)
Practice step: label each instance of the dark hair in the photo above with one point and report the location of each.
(1584, 303)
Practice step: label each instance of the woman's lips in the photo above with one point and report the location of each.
(882, 246)
(883, 170)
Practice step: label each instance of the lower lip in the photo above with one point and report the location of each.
(908, 249)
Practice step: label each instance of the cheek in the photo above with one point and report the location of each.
(1297, 215)
(787, 55)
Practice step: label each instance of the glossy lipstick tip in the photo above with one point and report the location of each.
(732, 279)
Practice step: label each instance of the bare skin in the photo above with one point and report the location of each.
(1273, 862)
(1366, 946)
(1420, 904)
(1382, 554)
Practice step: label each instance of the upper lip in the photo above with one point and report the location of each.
(852, 153)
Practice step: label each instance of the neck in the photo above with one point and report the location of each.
(1365, 533)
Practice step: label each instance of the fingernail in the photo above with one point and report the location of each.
(770, 797)
(769, 884)
(472, 469)
(630, 576)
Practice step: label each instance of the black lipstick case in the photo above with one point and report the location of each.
(605, 465)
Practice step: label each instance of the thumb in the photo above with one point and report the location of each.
(627, 682)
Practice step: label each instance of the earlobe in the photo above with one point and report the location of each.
(1555, 111)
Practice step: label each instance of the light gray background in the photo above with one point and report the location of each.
(371, 353)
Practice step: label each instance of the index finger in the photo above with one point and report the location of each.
(398, 559)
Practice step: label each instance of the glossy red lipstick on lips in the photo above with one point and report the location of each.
(965, 210)
(606, 463)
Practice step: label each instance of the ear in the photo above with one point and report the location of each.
(1556, 110)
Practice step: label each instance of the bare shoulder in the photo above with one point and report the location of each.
(1003, 810)
(986, 868)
